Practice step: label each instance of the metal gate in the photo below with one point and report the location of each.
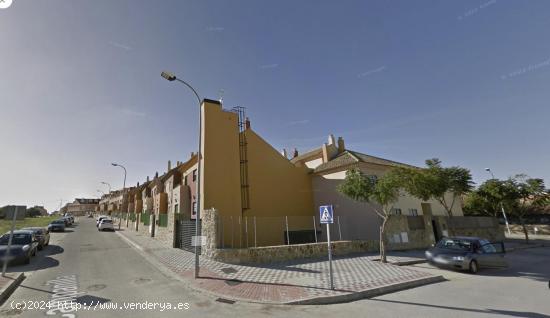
(185, 230)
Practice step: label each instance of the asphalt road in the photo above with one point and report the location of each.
(103, 269)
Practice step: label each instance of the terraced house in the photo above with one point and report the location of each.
(252, 195)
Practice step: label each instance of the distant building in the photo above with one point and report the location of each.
(80, 206)
(8, 211)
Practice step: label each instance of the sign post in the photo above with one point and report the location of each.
(326, 216)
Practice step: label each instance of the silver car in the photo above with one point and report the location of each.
(467, 253)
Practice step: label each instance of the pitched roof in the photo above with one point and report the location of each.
(308, 154)
(348, 158)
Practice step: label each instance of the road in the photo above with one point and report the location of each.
(104, 269)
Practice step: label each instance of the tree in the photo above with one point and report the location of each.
(380, 194)
(436, 182)
(489, 198)
(528, 195)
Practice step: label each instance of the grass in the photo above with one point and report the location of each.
(43, 221)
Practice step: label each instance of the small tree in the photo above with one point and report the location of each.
(436, 182)
(529, 194)
(488, 198)
(380, 194)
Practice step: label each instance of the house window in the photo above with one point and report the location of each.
(373, 178)
(195, 175)
(413, 212)
(176, 208)
(195, 208)
(396, 211)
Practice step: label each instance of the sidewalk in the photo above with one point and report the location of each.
(298, 282)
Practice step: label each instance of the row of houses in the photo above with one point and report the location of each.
(260, 195)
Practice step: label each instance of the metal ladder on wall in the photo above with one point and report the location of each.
(245, 200)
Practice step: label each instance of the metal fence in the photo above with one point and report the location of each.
(244, 232)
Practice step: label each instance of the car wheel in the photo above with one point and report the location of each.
(473, 267)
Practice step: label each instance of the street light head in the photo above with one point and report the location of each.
(169, 76)
(114, 164)
(487, 169)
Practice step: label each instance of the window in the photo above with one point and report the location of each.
(413, 212)
(396, 211)
(373, 178)
(176, 208)
(195, 175)
(195, 208)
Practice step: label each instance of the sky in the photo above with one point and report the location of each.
(80, 87)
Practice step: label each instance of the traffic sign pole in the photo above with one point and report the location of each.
(330, 258)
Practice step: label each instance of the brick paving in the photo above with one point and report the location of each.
(279, 282)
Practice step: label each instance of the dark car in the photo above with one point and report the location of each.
(67, 220)
(42, 235)
(57, 226)
(467, 253)
(23, 246)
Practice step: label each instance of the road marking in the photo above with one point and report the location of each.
(130, 241)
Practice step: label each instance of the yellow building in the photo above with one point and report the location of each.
(253, 187)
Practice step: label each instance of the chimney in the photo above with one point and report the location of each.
(137, 186)
(192, 154)
(331, 140)
(247, 123)
(284, 153)
(169, 165)
(295, 153)
(325, 153)
(147, 178)
(156, 174)
(341, 145)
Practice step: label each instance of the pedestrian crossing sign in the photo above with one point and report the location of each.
(326, 215)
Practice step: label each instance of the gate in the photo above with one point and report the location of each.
(185, 230)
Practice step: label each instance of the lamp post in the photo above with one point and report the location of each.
(171, 77)
(501, 205)
(107, 184)
(123, 187)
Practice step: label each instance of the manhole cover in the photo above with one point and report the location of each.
(141, 280)
(229, 270)
(96, 287)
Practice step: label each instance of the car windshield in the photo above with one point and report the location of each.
(455, 244)
(35, 231)
(58, 222)
(106, 221)
(18, 239)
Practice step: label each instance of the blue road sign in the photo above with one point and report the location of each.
(326, 215)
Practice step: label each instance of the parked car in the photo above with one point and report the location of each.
(99, 218)
(467, 253)
(42, 235)
(67, 220)
(23, 246)
(57, 226)
(70, 216)
(106, 224)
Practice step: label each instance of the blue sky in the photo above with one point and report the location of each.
(464, 81)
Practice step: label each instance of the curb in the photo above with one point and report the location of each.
(369, 293)
(10, 288)
(311, 301)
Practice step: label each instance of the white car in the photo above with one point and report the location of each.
(106, 224)
(99, 218)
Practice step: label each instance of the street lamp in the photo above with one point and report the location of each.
(123, 187)
(501, 205)
(171, 77)
(107, 184)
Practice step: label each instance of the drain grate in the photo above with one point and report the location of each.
(225, 301)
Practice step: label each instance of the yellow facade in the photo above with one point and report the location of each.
(276, 187)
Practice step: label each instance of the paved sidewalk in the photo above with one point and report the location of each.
(8, 284)
(298, 282)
